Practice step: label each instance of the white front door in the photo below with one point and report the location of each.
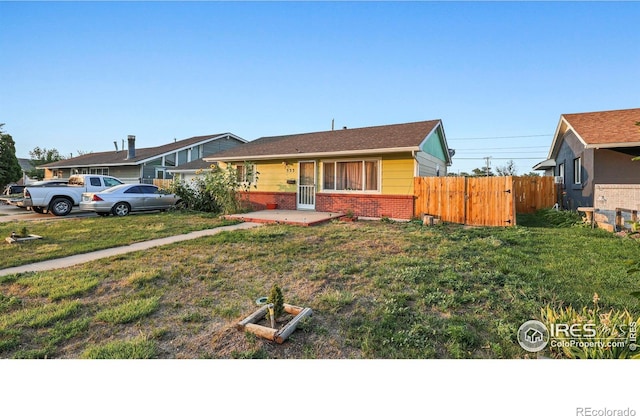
(307, 185)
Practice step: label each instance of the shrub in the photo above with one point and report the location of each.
(218, 190)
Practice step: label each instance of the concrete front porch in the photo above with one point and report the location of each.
(285, 216)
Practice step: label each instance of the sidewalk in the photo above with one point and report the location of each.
(100, 254)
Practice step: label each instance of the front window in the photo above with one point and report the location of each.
(577, 171)
(353, 175)
(245, 173)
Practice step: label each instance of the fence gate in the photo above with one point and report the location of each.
(490, 201)
(473, 201)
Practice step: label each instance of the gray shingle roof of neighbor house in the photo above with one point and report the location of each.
(389, 138)
(120, 157)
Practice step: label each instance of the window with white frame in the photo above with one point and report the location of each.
(94, 171)
(351, 175)
(99, 171)
(245, 173)
(577, 171)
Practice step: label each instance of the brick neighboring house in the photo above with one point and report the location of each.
(369, 170)
(144, 164)
(591, 149)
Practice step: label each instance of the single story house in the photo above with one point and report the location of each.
(142, 165)
(189, 171)
(369, 171)
(593, 148)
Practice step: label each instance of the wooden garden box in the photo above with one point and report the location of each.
(278, 335)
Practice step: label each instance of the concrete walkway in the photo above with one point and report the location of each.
(100, 254)
(287, 216)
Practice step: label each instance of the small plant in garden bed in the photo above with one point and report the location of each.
(277, 300)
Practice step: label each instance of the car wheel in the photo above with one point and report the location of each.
(121, 209)
(60, 207)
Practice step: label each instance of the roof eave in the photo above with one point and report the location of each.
(313, 154)
(544, 165)
(612, 145)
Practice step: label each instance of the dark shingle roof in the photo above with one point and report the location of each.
(606, 127)
(405, 136)
(120, 157)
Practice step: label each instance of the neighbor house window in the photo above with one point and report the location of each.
(99, 171)
(577, 171)
(353, 175)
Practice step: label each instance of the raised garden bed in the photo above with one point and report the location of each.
(18, 239)
(284, 327)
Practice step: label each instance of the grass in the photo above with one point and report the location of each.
(81, 235)
(377, 289)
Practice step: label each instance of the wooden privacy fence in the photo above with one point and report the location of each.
(489, 201)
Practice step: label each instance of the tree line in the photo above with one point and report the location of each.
(507, 170)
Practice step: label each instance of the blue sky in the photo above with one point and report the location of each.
(77, 76)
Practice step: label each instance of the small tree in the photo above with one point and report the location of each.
(42, 156)
(10, 170)
(483, 171)
(276, 297)
(507, 170)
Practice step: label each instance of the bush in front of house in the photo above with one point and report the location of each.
(218, 190)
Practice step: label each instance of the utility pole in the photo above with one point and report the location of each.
(486, 158)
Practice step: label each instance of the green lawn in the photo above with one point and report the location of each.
(65, 237)
(377, 289)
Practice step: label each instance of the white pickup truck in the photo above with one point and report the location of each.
(60, 200)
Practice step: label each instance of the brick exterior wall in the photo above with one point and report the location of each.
(608, 197)
(259, 200)
(362, 205)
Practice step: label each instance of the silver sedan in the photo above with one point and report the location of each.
(120, 200)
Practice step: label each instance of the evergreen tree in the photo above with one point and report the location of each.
(10, 170)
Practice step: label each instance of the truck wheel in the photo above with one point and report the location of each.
(60, 207)
(38, 210)
(121, 209)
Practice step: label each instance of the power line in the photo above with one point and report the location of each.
(506, 148)
(499, 137)
(497, 158)
(501, 151)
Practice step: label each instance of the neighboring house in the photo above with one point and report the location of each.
(188, 172)
(369, 171)
(594, 148)
(144, 164)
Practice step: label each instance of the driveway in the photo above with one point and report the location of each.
(9, 213)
